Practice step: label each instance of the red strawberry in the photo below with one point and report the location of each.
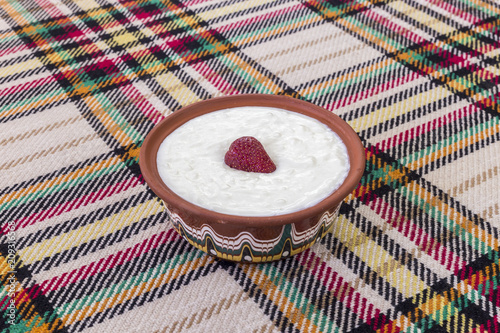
(248, 154)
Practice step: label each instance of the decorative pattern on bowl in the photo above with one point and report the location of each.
(246, 247)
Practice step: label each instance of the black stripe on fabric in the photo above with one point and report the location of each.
(474, 10)
(406, 118)
(132, 268)
(355, 17)
(30, 308)
(34, 92)
(438, 232)
(16, 60)
(457, 244)
(130, 112)
(62, 257)
(78, 222)
(357, 87)
(448, 20)
(238, 12)
(467, 309)
(171, 103)
(397, 252)
(56, 173)
(376, 282)
(460, 153)
(247, 87)
(147, 297)
(439, 134)
(452, 202)
(95, 123)
(317, 294)
(9, 43)
(372, 175)
(281, 17)
(22, 74)
(416, 48)
(342, 5)
(66, 194)
(270, 309)
(32, 111)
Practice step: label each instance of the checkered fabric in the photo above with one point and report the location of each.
(87, 247)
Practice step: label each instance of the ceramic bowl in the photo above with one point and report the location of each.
(243, 238)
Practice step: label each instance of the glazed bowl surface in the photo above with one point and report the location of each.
(248, 238)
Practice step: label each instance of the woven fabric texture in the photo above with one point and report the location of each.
(87, 247)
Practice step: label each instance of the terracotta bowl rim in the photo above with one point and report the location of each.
(149, 148)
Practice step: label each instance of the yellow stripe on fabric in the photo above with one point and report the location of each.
(443, 77)
(177, 89)
(378, 259)
(273, 32)
(486, 6)
(365, 33)
(14, 14)
(124, 39)
(247, 70)
(399, 109)
(465, 288)
(350, 77)
(112, 128)
(453, 147)
(4, 266)
(86, 5)
(215, 13)
(454, 215)
(421, 17)
(135, 291)
(60, 179)
(7, 35)
(279, 299)
(73, 238)
(20, 67)
(34, 105)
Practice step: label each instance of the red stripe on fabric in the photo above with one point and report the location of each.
(77, 203)
(260, 19)
(26, 86)
(416, 131)
(116, 259)
(50, 8)
(367, 93)
(216, 80)
(455, 11)
(4, 303)
(341, 289)
(142, 103)
(418, 236)
(391, 26)
(11, 50)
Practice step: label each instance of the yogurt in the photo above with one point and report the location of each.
(311, 162)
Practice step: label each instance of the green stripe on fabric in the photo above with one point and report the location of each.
(118, 119)
(450, 224)
(300, 301)
(123, 285)
(46, 97)
(62, 186)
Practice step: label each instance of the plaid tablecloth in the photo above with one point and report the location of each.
(87, 247)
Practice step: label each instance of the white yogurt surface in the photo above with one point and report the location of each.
(311, 162)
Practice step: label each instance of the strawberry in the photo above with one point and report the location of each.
(248, 154)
